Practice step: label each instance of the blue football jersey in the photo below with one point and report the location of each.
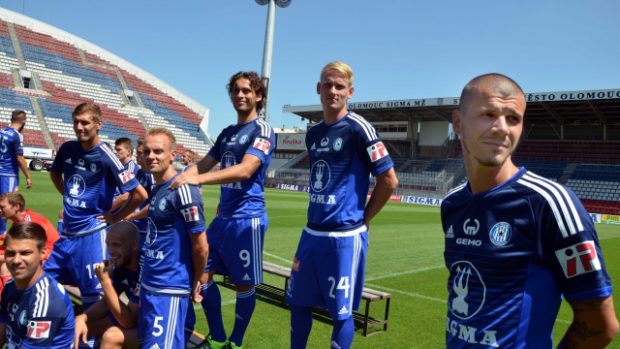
(147, 181)
(343, 155)
(173, 215)
(512, 253)
(244, 199)
(40, 316)
(128, 282)
(90, 178)
(11, 145)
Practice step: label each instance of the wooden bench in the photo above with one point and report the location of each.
(74, 295)
(363, 319)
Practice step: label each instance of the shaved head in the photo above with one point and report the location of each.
(126, 229)
(496, 82)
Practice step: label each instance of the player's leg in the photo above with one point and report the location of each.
(93, 251)
(303, 292)
(342, 279)
(245, 264)
(7, 184)
(211, 297)
(116, 338)
(161, 320)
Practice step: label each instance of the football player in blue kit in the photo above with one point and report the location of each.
(515, 242)
(329, 265)
(124, 151)
(176, 249)
(35, 311)
(86, 172)
(12, 157)
(237, 232)
(111, 318)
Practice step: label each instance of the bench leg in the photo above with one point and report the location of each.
(366, 315)
(387, 313)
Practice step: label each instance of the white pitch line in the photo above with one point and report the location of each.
(410, 294)
(406, 272)
(282, 259)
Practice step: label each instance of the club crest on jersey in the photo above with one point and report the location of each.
(126, 176)
(151, 232)
(162, 204)
(190, 214)
(579, 259)
(93, 167)
(22, 317)
(76, 185)
(262, 144)
(228, 160)
(377, 151)
(338, 144)
(500, 234)
(243, 139)
(467, 290)
(320, 174)
(39, 329)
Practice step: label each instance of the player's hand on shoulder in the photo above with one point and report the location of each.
(183, 178)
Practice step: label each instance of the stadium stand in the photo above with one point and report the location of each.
(572, 137)
(47, 72)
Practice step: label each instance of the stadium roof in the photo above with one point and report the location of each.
(565, 108)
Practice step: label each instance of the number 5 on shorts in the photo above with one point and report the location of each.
(157, 328)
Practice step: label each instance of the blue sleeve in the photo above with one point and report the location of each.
(189, 205)
(57, 165)
(46, 325)
(215, 152)
(124, 179)
(570, 244)
(263, 142)
(19, 144)
(374, 153)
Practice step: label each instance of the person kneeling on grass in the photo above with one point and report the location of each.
(111, 318)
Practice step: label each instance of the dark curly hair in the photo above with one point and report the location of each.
(255, 82)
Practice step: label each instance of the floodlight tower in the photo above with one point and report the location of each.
(268, 48)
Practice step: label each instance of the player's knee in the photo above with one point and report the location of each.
(112, 338)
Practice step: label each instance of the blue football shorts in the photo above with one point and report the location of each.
(236, 248)
(72, 262)
(161, 321)
(328, 271)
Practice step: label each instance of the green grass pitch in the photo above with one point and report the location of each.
(405, 258)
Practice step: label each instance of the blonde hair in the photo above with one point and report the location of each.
(340, 67)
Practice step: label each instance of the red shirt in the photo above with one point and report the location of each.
(50, 231)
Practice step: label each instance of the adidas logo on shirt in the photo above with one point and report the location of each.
(246, 277)
(343, 310)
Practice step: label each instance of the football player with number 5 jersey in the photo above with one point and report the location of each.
(516, 243)
(175, 249)
(329, 265)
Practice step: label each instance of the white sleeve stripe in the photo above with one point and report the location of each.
(455, 189)
(571, 205)
(112, 157)
(42, 298)
(185, 195)
(368, 129)
(551, 203)
(265, 128)
(558, 199)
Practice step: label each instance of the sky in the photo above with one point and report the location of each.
(398, 49)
